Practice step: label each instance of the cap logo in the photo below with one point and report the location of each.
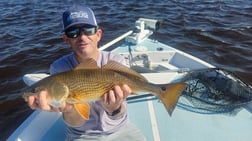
(79, 14)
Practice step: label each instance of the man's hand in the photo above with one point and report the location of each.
(115, 98)
(40, 102)
(70, 115)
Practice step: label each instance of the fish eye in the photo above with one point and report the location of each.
(163, 88)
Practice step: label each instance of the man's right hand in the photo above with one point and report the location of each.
(40, 102)
(70, 115)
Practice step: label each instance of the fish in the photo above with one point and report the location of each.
(88, 82)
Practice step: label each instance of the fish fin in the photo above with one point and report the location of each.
(120, 68)
(87, 64)
(170, 96)
(83, 109)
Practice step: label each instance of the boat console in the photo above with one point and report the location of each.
(143, 29)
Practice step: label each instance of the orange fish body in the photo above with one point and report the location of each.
(88, 83)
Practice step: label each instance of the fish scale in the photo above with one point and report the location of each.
(91, 88)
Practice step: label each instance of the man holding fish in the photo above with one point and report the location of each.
(81, 32)
(90, 87)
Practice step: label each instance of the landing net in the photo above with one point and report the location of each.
(213, 91)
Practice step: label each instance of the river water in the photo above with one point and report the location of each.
(217, 31)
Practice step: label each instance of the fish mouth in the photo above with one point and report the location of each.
(55, 103)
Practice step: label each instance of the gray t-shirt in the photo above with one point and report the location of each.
(99, 122)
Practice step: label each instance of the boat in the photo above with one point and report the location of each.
(160, 64)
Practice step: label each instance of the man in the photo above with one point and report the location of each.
(108, 117)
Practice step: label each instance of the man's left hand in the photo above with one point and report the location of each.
(115, 98)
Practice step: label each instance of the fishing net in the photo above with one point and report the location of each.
(213, 91)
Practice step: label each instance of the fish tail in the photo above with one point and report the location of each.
(170, 96)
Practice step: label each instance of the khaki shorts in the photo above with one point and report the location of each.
(127, 133)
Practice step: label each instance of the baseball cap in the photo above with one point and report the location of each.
(78, 15)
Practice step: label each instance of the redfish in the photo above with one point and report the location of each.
(87, 82)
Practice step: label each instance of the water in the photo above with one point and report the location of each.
(217, 31)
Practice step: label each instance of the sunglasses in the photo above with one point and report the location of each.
(74, 32)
